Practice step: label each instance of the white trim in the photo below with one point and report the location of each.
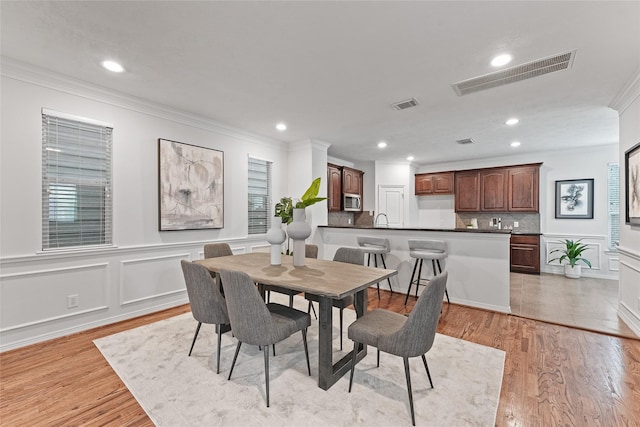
(630, 318)
(629, 92)
(51, 319)
(574, 236)
(52, 270)
(121, 284)
(628, 252)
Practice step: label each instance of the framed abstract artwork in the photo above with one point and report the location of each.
(191, 187)
(574, 199)
(632, 184)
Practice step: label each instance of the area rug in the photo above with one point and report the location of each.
(177, 390)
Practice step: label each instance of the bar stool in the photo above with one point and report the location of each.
(433, 250)
(378, 247)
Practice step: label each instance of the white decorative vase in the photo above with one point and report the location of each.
(298, 231)
(572, 272)
(276, 236)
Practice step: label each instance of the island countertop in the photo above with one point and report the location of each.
(454, 230)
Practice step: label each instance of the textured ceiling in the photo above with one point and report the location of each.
(331, 70)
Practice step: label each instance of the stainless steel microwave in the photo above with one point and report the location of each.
(352, 202)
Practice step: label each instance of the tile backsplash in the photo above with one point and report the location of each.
(527, 222)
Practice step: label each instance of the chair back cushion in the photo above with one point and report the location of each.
(349, 255)
(311, 251)
(251, 321)
(416, 336)
(214, 250)
(207, 303)
(428, 245)
(380, 242)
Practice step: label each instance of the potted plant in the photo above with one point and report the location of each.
(284, 209)
(572, 252)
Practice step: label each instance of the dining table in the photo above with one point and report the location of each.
(327, 279)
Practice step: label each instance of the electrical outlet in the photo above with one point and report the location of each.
(72, 301)
(515, 224)
(349, 221)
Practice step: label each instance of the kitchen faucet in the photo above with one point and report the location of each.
(375, 223)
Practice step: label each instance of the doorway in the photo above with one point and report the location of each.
(391, 203)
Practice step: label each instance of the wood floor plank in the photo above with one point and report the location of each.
(553, 375)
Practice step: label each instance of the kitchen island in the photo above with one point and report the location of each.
(477, 262)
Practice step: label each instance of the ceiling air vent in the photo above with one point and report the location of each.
(514, 74)
(403, 105)
(464, 141)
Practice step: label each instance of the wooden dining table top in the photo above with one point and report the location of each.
(320, 277)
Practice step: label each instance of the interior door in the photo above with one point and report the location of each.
(391, 203)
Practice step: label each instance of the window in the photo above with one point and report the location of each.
(259, 196)
(76, 181)
(613, 196)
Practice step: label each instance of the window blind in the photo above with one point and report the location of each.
(76, 182)
(259, 196)
(613, 198)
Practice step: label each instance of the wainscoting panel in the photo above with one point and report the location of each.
(604, 262)
(149, 278)
(42, 296)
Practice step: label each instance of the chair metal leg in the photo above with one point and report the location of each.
(445, 289)
(306, 349)
(378, 358)
(385, 267)
(194, 337)
(274, 350)
(268, 297)
(310, 308)
(375, 261)
(419, 276)
(406, 373)
(266, 371)
(235, 356)
(424, 360)
(411, 282)
(219, 346)
(353, 363)
(291, 301)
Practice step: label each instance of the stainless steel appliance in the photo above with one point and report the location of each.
(351, 202)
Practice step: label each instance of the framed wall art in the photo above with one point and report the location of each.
(191, 187)
(574, 199)
(632, 184)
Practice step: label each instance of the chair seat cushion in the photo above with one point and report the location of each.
(374, 250)
(288, 320)
(338, 303)
(426, 254)
(370, 327)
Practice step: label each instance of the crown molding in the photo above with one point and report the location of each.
(28, 73)
(629, 92)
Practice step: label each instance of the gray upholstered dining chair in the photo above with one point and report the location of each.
(402, 336)
(256, 323)
(214, 250)
(310, 251)
(347, 255)
(207, 303)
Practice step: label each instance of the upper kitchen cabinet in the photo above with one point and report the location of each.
(467, 191)
(428, 184)
(351, 181)
(523, 191)
(507, 189)
(493, 190)
(334, 190)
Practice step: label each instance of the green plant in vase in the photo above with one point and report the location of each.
(572, 252)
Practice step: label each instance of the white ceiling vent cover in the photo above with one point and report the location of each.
(465, 141)
(514, 74)
(407, 103)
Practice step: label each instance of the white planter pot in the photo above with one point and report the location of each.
(276, 236)
(299, 230)
(572, 272)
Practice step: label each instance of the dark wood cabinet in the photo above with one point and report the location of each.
(428, 184)
(351, 181)
(334, 187)
(493, 190)
(523, 188)
(506, 189)
(525, 253)
(467, 191)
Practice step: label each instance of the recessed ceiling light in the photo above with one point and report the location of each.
(281, 126)
(512, 121)
(515, 144)
(382, 144)
(113, 66)
(501, 60)
(410, 158)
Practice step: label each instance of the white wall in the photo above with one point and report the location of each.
(141, 273)
(628, 106)
(558, 165)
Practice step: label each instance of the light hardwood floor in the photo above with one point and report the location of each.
(553, 375)
(585, 303)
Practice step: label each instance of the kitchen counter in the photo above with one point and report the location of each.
(477, 262)
(457, 230)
